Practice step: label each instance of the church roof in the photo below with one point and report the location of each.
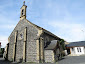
(76, 44)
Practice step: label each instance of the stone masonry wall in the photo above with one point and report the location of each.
(47, 38)
(10, 50)
(49, 56)
(31, 50)
(31, 53)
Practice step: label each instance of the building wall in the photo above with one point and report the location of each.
(77, 50)
(49, 56)
(31, 44)
(47, 38)
(10, 51)
(31, 53)
(72, 50)
(84, 49)
(80, 51)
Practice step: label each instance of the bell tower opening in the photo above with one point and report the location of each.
(23, 11)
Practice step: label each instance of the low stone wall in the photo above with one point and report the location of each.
(49, 56)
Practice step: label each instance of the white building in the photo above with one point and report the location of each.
(76, 48)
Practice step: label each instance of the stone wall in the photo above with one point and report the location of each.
(10, 50)
(47, 38)
(31, 45)
(31, 53)
(49, 56)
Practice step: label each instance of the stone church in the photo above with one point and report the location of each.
(31, 43)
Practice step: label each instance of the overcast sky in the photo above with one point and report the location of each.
(64, 18)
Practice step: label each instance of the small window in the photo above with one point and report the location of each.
(22, 11)
(79, 49)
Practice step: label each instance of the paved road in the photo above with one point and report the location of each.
(2, 61)
(72, 60)
(65, 60)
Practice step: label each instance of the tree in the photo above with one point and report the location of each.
(62, 44)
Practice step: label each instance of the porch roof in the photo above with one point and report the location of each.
(51, 45)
